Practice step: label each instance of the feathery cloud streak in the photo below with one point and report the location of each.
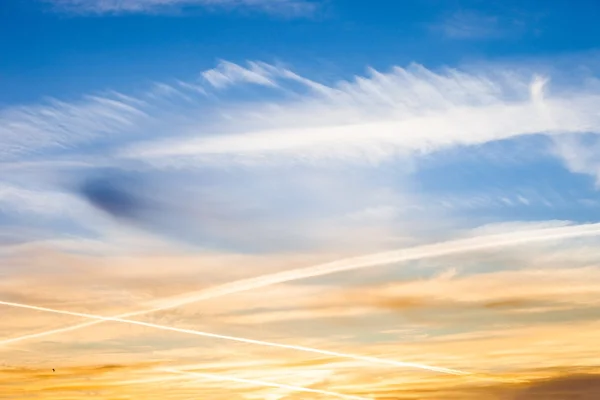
(287, 7)
(373, 360)
(185, 131)
(399, 113)
(406, 111)
(418, 253)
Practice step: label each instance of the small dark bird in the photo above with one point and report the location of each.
(52, 369)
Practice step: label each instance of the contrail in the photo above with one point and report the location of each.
(373, 360)
(262, 383)
(348, 264)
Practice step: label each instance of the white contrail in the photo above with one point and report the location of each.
(347, 264)
(373, 360)
(262, 383)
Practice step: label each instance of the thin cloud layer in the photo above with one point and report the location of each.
(472, 25)
(391, 201)
(405, 111)
(289, 7)
(385, 126)
(251, 170)
(519, 360)
(381, 115)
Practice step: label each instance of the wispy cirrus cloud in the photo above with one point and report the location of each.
(228, 128)
(580, 154)
(387, 115)
(53, 126)
(57, 124)
(122, 363)
(412, 110)
(285, 7)
(472, 25)
(279, 228)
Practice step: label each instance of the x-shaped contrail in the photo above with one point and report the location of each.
(415, 253)
(239, 339)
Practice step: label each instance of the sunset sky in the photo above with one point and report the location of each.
(299, 199)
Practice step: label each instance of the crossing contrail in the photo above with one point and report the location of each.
(262, 383)
(373, 360)
(348, 264)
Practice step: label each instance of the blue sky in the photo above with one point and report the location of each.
(54, 50)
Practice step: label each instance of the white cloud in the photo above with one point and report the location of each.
(581, 154)
(412, 111)
(227, 73)
(330, 144)
(58, 124)
(287, 7)
(471, 25)
(403, 112)
(38, 202)
(340, 205)
(55, 127)
(463, 25)
(114, 118)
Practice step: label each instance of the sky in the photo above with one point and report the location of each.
(299, 199)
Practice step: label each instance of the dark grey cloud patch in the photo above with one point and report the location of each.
(574, 387)
(115, 193)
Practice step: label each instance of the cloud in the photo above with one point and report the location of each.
(580, 154)
(567, 384)
(511, 348)
(533, 290)
(60, 125)
(115, 194)
(341, 151)
(417, 294)
(227, 74)
(526, 288)
(286, 7)
(387, 115)
(264, 383)
(123, 202)
(583, 387)
(472, 25)
(373, 118)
